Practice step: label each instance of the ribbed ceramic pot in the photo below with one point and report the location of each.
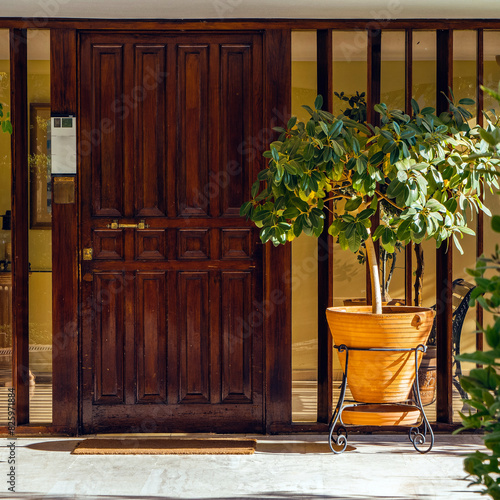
(378, 376)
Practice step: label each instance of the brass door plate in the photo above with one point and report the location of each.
(87, 253)
(64, 190)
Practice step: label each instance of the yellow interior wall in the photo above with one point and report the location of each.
(304, 251)
(40, 244)
(40, 240)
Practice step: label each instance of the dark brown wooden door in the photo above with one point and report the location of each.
(172, 310)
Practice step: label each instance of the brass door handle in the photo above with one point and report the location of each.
(116, 225)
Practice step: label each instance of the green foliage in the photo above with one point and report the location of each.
(357, 106)
(5, 124)
(429, 169)
(483, 384)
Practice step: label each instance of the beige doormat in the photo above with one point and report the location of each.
(165, 446)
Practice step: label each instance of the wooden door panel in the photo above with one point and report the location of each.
(237, 338)
(109, 338)
(236, 119)
(194, 337)
(193, 137)
(149, 126)
(193, 244)
(150, 245)
(151, 337)
(107, 244)
(106, 135)
(236, 244)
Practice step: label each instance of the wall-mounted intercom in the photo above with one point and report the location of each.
(63, 144)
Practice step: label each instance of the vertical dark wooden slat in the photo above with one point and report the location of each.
(19, 147)
(480, 215)
(277, 261)
(374, 68)
(444, 257)
(480, 75)
(325, 245)
(63, 77)
(408, 110)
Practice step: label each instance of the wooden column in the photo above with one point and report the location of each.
(480, 215)
(20, 195)
(409, 111)
(325, 245)
(278, 261)
(374, 66)
(63, 71)
(444, 257)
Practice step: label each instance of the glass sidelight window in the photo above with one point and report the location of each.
(40, 234)
(20, 215)
(5, 236)
(304, 253)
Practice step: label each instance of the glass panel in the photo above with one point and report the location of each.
(491, 66)
(5, 247)
(349, 66)
(424, 92)
(464, 85)
(349, 79)
(424, 68)
(465, 68)
(392, 81)
(304, 253)
(392, 93)
(40, 251)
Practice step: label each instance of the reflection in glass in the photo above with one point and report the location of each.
(424, 68)
(349, 80)
(392, 93)
(465, 68)
(40, 237)
(5, 225)
(491, 67)
(349, 66)
(304, 253)
(465, 86)
(392, 79)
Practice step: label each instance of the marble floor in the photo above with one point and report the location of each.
(283, 467)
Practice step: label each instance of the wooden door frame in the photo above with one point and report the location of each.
(276, 307)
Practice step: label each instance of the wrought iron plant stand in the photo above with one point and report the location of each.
(420, 429)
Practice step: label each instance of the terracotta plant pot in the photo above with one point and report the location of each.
(375, 376)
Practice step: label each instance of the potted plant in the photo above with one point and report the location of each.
(428, 170)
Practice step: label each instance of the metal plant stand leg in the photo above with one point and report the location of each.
(417, 434)
(341, 431)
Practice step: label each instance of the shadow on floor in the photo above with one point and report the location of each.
(262, 447)
(66, 445)
(262, 496)
(302, 447)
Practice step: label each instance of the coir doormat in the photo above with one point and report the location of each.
(165, 446)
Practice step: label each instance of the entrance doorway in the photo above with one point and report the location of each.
(171, 276)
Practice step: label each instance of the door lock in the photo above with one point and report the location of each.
(116, 225)
(87, 253)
